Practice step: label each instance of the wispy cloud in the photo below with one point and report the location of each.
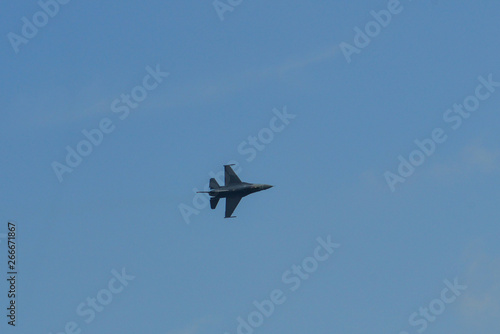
(191, 329)
(480, 305)
(201, 91)
(57, 106)
(473, 158)
(481, 158)
(197, 326)
(294, 63)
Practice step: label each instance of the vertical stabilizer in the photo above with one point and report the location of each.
(213, 184)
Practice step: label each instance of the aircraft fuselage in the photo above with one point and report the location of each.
(240, 190)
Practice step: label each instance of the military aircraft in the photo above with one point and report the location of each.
(233, 190)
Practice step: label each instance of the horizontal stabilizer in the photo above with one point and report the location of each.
(213, 202)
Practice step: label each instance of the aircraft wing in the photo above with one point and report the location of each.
(230, 176)
(231, 204)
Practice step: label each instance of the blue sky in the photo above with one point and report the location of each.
(120, 206)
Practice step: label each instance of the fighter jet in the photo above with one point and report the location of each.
(233, 190)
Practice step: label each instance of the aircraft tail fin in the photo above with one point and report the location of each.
(213, 202)
(214, 184)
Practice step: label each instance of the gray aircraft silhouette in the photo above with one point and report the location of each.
(233, 190)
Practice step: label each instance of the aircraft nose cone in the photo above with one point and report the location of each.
(267, 186)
